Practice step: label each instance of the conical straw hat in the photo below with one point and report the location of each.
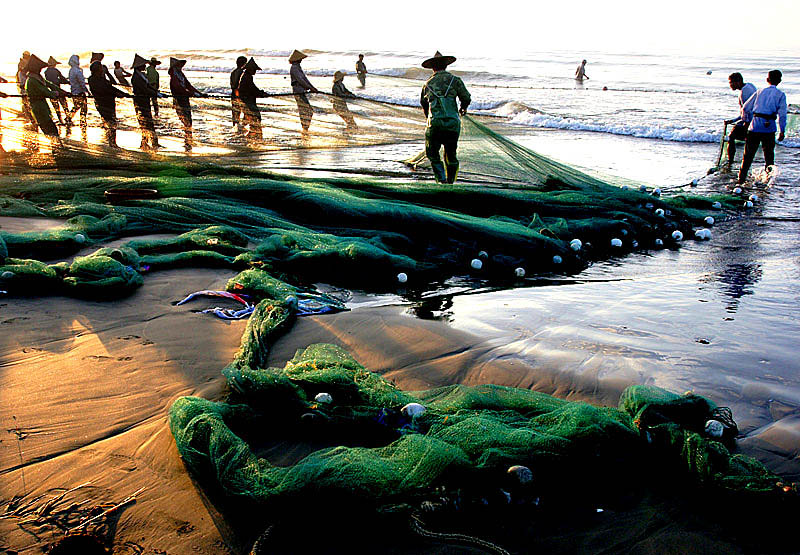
(297, 56)
(35, 64)
(52, 61)
(173, 62)
(138, 61)
(438, 60)
(251, 64)
(338, 76)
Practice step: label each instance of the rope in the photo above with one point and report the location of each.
(415, 523)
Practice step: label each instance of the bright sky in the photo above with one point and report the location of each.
(468, 27)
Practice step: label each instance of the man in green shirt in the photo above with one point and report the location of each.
(39, 91)
(438, 101)
(153, 79)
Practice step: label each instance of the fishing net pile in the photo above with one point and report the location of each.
(373, 443)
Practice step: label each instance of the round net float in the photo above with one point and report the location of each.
(519, 272)
(748, 204)
(677, 235)
(660, 212)
(557, 259)
(656, 192)
(413, 410)
(476, 264)
(737, 191)
(709, 220)
(717, 206)
(753, 197)
(483, 255)
(643, 188)
(402, 277)
(522, 474)
(714, 428)
(623, 231)
(625, 188)
(659, 243)
(694, 182)
(635, 243)
(80, 238)
(616, 242)
(323, 398)
(575, 244)
(649, 206)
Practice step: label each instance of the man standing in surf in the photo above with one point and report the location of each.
(580, 73)
(761, 112)
(739, 131)
(438, 100)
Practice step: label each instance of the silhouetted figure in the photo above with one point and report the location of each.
(182, 90)
(340, 94)
(98, 57)
(236, 103)
(300, 86)
(154, 79)
(361, 71)
(739, 131)
(580, 73)
(53, 75)
(105, 100)
(2, 95)
(248, 93)
(39, 90)
(438, 101)
(143, 94)
(121, 74)
(22, 77)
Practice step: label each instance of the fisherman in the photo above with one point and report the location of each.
(154, 79)
(53, 75)
(182, 90)
(121, 74)
(237, 109)
(248, 93)
(580, 73)
(22, 76)
(39, 90)
(438, 101)
(761, 111)
(340, 93)
(300, 86)
(77, 87)
(2, 95)
(143, 92)
(98, 57)
(105, 100)
(361, 71)
(739, 131)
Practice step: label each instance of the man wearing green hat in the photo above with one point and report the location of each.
(438, 100)
(39, 90)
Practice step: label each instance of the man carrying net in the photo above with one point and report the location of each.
(438, 100)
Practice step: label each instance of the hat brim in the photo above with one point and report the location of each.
(438, 61)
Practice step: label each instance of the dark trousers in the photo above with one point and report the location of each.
(435, 139)
(767, 142)
(155, 105)
(146, 123)
(738, 133)
(237, 109)
(305, 110)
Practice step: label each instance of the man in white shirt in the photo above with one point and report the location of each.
(761, 112)
(739, 131)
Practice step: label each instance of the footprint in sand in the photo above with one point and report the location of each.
(12, 320)
(129, 337)
(124, 358)
(98, 357)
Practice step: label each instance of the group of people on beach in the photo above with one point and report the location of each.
(36, 89)
(761, 113)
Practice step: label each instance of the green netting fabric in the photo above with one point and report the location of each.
(466, 435)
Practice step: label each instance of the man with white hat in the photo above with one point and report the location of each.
(300, 86)
(53, 75)
(143, 93)
(438, 100)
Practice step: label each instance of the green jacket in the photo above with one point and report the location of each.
(38, 92)
(152, 75)
(438, 101)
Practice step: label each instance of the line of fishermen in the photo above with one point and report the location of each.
(438, 99)
(761, 112)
